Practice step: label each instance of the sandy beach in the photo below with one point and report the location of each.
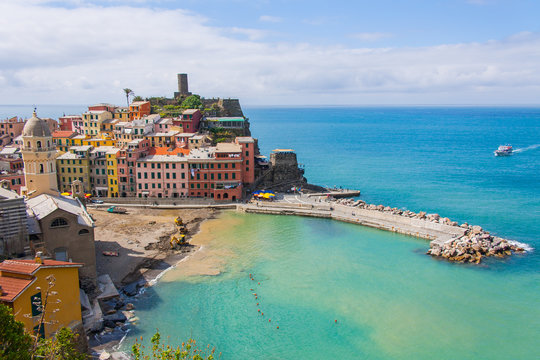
(141, 238)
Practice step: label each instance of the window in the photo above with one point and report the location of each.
(59, 222)
(83, 232)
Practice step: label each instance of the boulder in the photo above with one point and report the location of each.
(476, 229)
(131, 289)
(111, 320)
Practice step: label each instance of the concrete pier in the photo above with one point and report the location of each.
(376, 219)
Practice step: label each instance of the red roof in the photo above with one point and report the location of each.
(167, 151)
(10, 287)
(29, 267)
(63, 133)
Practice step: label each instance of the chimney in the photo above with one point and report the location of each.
(38, 259)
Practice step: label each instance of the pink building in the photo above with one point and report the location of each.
(10, 129)
(189, 120)
(12, 180)
(71, 123)
(162, 176)
(127, 160)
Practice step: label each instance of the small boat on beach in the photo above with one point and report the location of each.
(503, 150)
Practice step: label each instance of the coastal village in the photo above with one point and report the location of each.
(79, 196)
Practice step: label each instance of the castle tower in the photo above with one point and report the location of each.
(39, 157)
(183, 84)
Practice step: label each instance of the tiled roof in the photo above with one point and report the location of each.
(19, 266)
(29, 267)
(10, 287)
(63, 133)
(167, 151)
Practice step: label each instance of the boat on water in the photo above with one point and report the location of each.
(503, 150)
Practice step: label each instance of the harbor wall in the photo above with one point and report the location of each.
(372, 218)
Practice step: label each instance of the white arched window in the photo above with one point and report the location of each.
(38, 144)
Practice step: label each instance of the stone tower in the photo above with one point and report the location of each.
(39, 157)
(183, 84)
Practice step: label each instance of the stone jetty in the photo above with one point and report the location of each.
(448, 239)
(472, 246)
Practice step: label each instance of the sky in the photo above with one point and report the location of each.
(279, 52)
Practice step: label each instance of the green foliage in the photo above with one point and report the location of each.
(15, 344)
(192, 102)
(60, 347)
(138, 98)
(187, 351)
(172, 107)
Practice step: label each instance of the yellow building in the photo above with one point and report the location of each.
(63, 140)
(97, 142)
(39, 157)
(111, 155)
(24, 285)
(121, 113)
(74, 165)
(107, 128)
(92, 121)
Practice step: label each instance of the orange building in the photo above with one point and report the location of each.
(23, 287)
(138, 109)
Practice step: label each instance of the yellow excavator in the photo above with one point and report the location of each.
(180, 237)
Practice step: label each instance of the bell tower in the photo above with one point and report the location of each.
(39, 157)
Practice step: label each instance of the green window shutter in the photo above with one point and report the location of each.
(35, 300)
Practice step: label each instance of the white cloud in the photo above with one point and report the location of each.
(88, 54)
(371, 36)
(270, 19)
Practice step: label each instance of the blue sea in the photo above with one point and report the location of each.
(390, 300)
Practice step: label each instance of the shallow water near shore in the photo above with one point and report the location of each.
(390, 300)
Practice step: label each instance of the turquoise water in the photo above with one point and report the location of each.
(391, 301)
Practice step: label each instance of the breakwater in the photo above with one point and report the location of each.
(448, 239)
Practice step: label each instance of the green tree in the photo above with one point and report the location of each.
(187, 351)
(138, 98)
(192, 102)
(61, 346)
(128, 93)
(15, 344)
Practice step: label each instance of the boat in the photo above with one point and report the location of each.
(503, 150)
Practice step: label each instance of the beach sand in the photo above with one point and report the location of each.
(141, 238)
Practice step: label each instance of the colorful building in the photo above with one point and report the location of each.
(159, 139)
(64, 139)
(248, 158)
(71, 123)
(162, 176)
(24, 286)
(111, 155)
(74, 165)
(189, 120)
(10, 129)
(98, 171)
(127, 159)
(138, 109)
(121, 114)
(92, 120)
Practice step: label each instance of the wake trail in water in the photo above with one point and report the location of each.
(532, 147)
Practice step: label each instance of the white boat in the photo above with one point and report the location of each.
(503, 150)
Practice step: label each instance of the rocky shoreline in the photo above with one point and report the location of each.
(475, 244)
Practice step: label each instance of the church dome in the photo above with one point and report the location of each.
(36, 127)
